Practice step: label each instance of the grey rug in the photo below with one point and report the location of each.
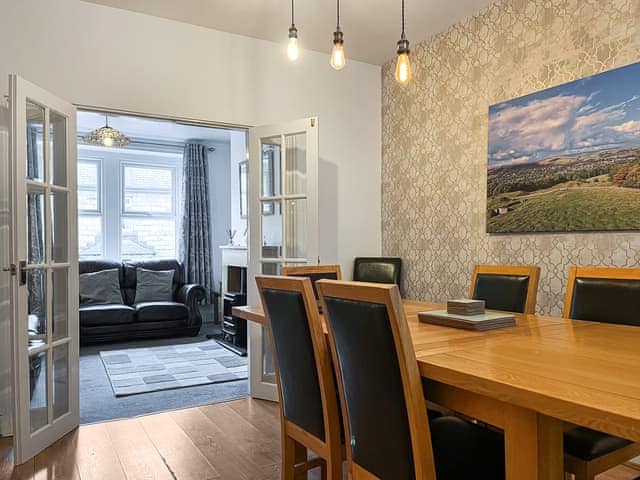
(150, 369)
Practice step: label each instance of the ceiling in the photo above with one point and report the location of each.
(151, 129)
(371, 27)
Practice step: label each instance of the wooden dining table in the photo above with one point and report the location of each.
(533, 380)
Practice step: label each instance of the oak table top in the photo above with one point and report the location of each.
(585, 373)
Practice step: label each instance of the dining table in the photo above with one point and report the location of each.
(533, 380)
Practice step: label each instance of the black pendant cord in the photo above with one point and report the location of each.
(403, 35)
(338, 13)
(292, 16)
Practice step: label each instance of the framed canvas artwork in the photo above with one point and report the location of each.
(567, 159)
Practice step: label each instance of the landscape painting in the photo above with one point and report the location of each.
(567, 159)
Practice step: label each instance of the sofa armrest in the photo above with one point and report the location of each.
(191, 295)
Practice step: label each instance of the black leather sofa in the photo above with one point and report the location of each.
(127, 321)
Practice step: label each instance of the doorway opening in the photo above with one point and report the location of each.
(139, 207)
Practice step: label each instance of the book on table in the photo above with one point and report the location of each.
(480, 322)
(465, 306)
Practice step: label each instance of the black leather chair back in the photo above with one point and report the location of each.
(314, 277)
(502, 292)
(129, 284)
(299, 384)
(606, 300)
(377, 269)
(372, 384)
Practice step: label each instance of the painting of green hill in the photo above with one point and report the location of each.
(571, 209)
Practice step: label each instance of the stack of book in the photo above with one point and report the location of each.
(469, 315)
(465, 306)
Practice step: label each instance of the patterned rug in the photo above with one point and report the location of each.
(142, 370)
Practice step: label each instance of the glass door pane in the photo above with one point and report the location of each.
(296, 164)
(58, 148)
(34, 141)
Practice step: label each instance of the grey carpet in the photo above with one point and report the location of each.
(140, 370)
(98, 404)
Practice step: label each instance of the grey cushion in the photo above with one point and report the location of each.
(100, 288)
(153, 285)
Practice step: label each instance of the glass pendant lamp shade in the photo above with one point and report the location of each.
(293, 49)
(338, 58)
(403, 65)
(106, 136)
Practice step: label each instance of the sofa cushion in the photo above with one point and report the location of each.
(130, 269)
(153, 285)
(100, 288)
(93, 315)
(158, 311)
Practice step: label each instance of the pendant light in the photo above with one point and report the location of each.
(338, 59)
(106, 136)
(403, 66)
(293, 51)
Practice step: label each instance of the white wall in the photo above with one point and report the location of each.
(95, 55)
(220, 191)
(238, 154)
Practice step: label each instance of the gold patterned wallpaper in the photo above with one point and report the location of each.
(434, 140)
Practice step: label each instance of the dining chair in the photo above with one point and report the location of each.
(608, 295)
(387, 431)
(378, 270)
(512, 288)
(314, 272)
(309, 412)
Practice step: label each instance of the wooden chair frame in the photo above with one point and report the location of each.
(532, 272)
(305, 270)
(582, 469)
(389, 295)
(595, 272)
(295, 441)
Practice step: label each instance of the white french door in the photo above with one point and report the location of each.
(283, 222)
(44, 256)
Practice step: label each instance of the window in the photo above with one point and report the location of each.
(127, 204)
(90, 238)
(148, 224)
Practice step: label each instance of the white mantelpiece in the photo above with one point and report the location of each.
(232, 255)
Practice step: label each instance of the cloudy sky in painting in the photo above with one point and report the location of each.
(596, 113)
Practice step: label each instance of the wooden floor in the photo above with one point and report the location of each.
(237, 440)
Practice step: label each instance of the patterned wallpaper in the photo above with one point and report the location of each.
(434, 140)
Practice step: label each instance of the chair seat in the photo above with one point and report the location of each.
(587, 444)
(462, 449)
(158, 311)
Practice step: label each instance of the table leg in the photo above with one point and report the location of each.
(550, 447)
(521, 444)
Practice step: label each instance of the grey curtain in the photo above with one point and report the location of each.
(35, 231)
(196, 233)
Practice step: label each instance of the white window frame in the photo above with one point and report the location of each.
(100, 196)
(112, 192)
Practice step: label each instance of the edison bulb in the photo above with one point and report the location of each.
(403, 69)
(107, 142)
(292, 49)
(338, 59)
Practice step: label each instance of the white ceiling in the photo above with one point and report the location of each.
(151, 129)
(371, 27)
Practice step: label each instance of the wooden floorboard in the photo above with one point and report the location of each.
(237, 440)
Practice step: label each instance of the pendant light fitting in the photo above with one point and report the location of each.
(338, 59)
(293, 49)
